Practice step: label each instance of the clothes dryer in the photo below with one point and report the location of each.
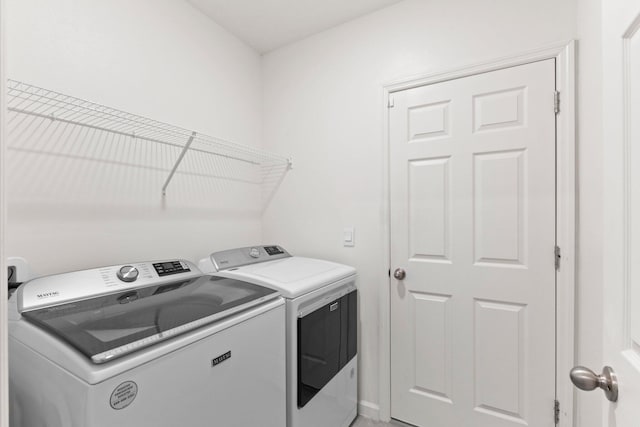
(321, 328)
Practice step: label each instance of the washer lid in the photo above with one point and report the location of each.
(110, 326)
(292, 276)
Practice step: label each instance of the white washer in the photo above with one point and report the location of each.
(321, 305)
(148, 344)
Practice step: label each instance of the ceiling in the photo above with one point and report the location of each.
(266, 25)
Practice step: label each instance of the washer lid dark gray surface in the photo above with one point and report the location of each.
(109, 326)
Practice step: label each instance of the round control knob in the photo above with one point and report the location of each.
(254, 253)
(128, 273)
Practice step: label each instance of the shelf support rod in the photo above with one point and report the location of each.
(175, 167)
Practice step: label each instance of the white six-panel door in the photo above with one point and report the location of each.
(472, 187)
(621, 125)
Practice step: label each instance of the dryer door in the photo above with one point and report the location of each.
(327, 340)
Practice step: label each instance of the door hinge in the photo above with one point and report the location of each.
(556, 411)
(557, 255)
(390, 103)
(556, 102)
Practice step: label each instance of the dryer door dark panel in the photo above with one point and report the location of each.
(327, 341)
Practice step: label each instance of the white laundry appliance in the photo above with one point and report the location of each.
(151, 344)
(321, 306)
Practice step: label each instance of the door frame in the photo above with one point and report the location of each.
(4, 366)
(565, 55)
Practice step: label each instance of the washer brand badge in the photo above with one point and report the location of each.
(49, 294)
(123, 395)
(220, 359)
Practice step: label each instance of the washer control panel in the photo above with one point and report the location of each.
(234, 258)
(78, 285)
(170, 267)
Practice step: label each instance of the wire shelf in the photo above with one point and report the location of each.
(189, 149)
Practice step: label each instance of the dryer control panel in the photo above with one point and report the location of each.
(234, 258)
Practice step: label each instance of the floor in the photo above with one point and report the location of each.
(366, 422)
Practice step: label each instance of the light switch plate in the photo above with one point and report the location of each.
(349, 236)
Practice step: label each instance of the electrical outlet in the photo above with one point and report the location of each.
(18, 269)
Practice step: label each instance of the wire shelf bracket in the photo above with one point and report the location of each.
(175, 167)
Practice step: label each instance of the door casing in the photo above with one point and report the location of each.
(4, 366)
(564, 53)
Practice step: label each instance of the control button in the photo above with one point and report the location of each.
(254, 253)
(128, 273)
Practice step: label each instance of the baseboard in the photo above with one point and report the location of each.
(369, 410)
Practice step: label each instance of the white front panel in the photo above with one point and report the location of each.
(334, 406)
(182, 388)
(473, 226)
(621, 29)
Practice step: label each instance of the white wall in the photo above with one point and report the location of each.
(157, 58)
(323, 105)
